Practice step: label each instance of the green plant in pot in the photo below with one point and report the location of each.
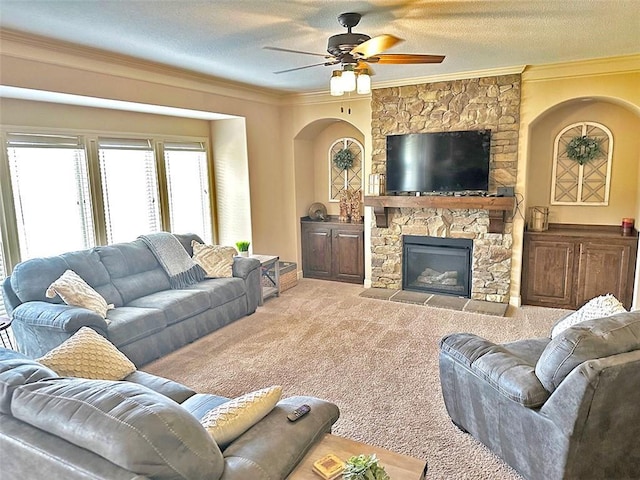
(243, 247)
(364, 467)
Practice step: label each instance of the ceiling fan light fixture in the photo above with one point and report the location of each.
(336, 83)
(348, 79)
(363, 82)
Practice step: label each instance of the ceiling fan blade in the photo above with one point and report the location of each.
(333, 62)
(375, 45)
(406, 59)
(278, 49)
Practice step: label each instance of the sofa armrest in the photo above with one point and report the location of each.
(274, 446)
(243, 266)
(40, 326)
(510, 375)
(57, 316)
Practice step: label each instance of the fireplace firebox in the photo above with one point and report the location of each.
(437, 265)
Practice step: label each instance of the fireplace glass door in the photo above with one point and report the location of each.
(437, 265)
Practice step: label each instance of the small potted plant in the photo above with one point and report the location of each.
(243, 248)
(364, 467)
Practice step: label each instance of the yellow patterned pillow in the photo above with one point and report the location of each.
(228, 421)
(87, 354)
(216, 260)
(75, 291)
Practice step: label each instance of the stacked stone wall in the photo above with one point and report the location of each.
(481, 103)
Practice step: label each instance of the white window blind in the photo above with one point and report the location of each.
(51, 194)
(188, 189)
(129, 188)
(3, 275)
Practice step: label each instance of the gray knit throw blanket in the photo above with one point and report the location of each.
(175, 260)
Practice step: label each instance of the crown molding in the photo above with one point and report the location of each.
(582, 68)
(45, 50)
(324, 97)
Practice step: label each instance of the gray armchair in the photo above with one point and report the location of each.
(567, 408)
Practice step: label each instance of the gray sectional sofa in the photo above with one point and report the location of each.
(150, 319)
(140, 428)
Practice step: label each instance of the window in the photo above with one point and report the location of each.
(50, 193)
(3, 275)
(188, 189)
(349, 178)
(129, 188)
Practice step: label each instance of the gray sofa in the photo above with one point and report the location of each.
(567, 408)
(145, 427)
(150, 319)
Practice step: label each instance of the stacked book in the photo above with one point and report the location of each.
(328, 467)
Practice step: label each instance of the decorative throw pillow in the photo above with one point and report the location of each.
(75, 291)
(599, 307)
(87, 354)
(216, 260)
(228, 421)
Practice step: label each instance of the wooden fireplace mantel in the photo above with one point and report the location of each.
(497, 206)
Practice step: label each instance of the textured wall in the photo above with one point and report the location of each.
(472, 104)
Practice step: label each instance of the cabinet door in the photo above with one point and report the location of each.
(316, 251)
(547, 272)
(348, 255)
(604, 268)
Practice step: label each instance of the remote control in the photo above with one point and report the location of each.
(299, 412)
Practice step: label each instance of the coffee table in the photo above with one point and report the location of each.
(398, 466)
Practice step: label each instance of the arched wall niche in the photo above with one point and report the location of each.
(623, 119)
(310, 147)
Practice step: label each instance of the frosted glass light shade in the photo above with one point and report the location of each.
(364, 83)
(348, 80)
(336, 83)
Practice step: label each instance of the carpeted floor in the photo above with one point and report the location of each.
(377, 360)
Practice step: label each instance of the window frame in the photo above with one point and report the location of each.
(9, 240)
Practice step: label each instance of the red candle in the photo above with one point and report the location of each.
(627, 226)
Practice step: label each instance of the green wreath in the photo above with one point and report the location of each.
(343, 159)
(583, 149)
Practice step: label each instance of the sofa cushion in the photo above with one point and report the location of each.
(228, 421)
(129, 425)
(221, 290)
(176, 304)
(170, 389)
(88, 354)
(199, 404)
(75, 291)
(134, 270)
(129, 324)
(599, 307)
(16, 369)
(31, 278)
(591, 339)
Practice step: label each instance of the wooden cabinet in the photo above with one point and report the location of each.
(332, 250)
(568, 265)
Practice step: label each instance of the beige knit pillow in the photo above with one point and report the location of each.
(87, 354)
(75, 291)
(228, 421)
(216, 260)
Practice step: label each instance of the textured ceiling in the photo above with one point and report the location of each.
(225, 39)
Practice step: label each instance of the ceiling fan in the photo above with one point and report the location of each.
(356, 50)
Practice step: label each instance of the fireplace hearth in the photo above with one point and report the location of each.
(437, 265)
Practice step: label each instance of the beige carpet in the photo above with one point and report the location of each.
(377, 360)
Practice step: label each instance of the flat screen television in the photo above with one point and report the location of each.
(438, 162)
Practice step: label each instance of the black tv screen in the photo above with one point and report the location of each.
(438, 162)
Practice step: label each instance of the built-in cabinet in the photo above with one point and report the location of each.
(568, 265)
(332, 250)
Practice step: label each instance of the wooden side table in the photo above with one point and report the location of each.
(5, 323)
(398, 466)
(269, 276)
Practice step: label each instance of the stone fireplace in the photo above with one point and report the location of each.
(479, 103)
